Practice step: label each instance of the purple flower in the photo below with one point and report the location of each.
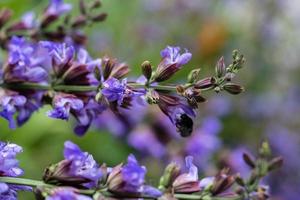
(114, 90)
(26, 62)
(172, 55)
(9, 166)
(87, 115)
(33, 103)
(66, 194)
(172, 61)
(84, 58)
(130, 179)
(9, 103)
(133, 175)
(82, 164)
(63, 104)
(69, 69)
(28, 21)
(58, 7)
(61, 53)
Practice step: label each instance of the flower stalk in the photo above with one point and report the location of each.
(90, 192)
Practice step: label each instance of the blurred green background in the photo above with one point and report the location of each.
(266, 32)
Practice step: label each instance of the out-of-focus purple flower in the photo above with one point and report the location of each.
(63, 104)
(28, 21)
(9, 166)
(57, 8)
(66, 193)
(172, 61)
(82, 164)
(219, 105)
(204, 142)
(187, 182)
(26, 62)
(144, 140)
(9, 103)
(237, 163)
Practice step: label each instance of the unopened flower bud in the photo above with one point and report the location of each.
(265, 150)
(233, 88)
(248, 160)
(79, 21)
(220, 68)
(171, 172)
(205, 83)
(5, 15)
(275, 163)
(152, 97)
(193, 97)
(100, 17)
(147, 69)
(59, 174)
(222, 182)
(194, 76)
(114, 179)
(180, 89)
(99, 97)
(239, 180)
(229, 76)
(95, 4)
(38, 193)
(82, 7)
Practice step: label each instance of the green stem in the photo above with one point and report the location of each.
(22, 181)
(36, 183)
(25, 86)
(77, 88)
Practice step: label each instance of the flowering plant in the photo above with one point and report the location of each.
(47, 64)
(79, 176)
